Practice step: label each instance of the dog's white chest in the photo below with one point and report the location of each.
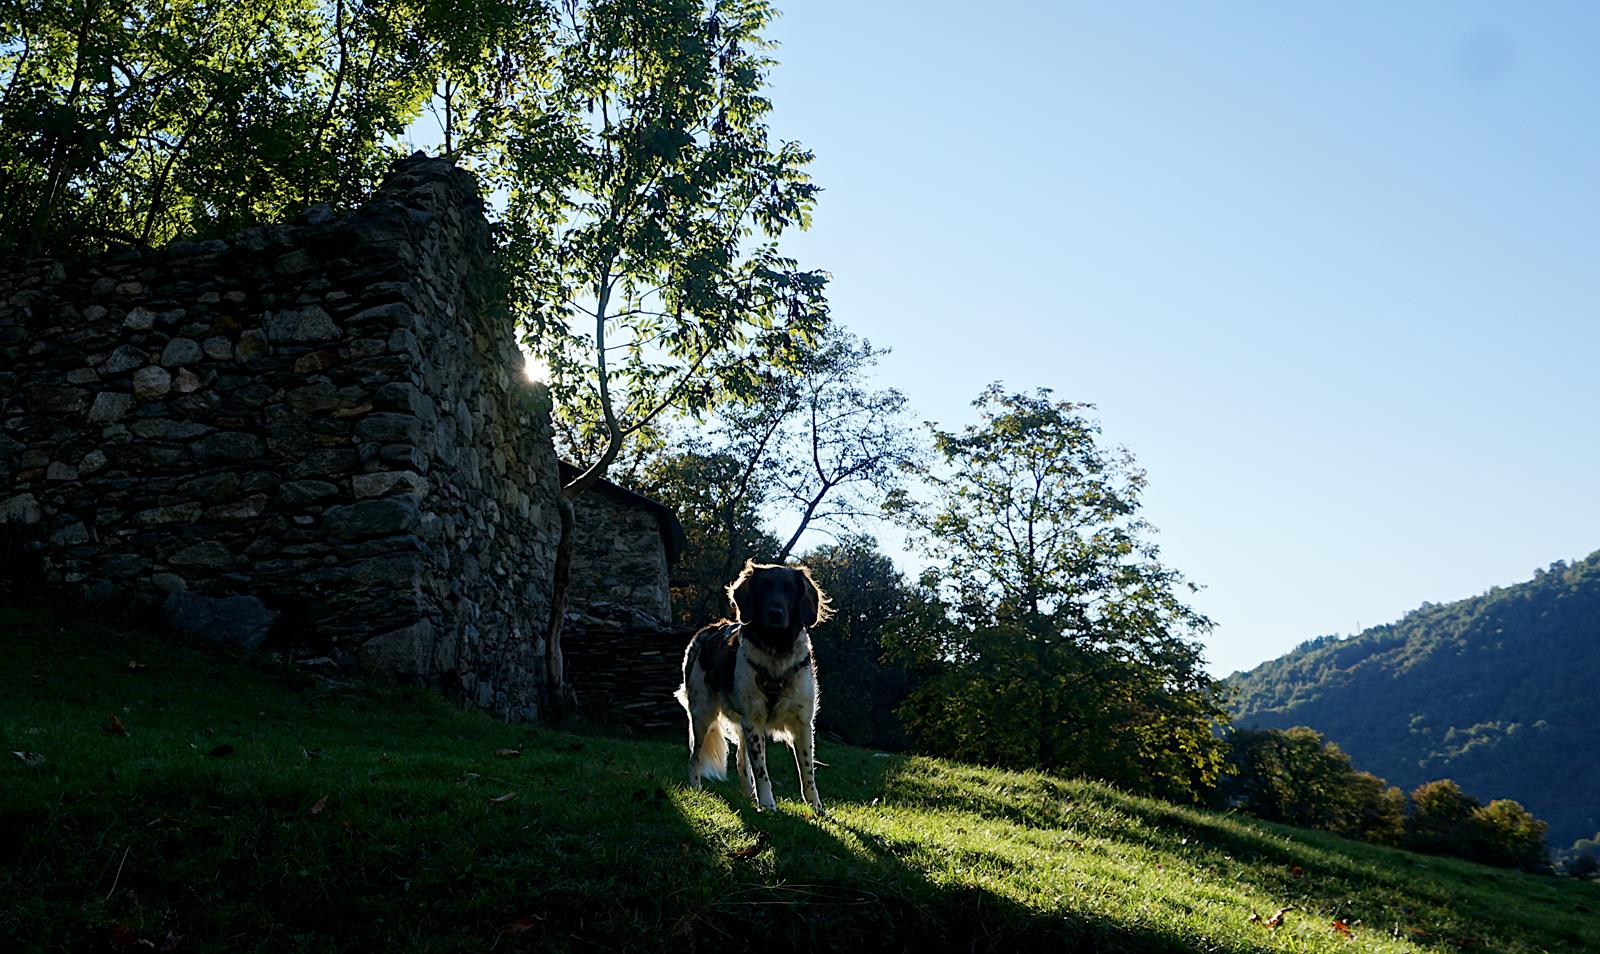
(777, 697)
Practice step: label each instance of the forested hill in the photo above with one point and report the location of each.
(1497, 692)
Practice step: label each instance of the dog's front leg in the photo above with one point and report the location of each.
(747, 775)
(805, 759)
(756, 741)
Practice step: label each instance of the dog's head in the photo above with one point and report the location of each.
(774, 603)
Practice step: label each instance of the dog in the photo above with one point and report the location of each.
(753, 678)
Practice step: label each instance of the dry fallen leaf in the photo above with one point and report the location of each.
(320, 804)
(744, 854)
(1342, 928)
(115, 726)
(1276, 921)
(516, 927)
(504, 798)
(508, 753)
(122, 938)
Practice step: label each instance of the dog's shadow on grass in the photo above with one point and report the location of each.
(797, 881)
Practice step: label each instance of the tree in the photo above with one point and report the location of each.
(1508, 835)
(1290, 775)
(813, 448)
(1440, 819)
(843, 447)
(1445, 820)
(872, 601)
(136, 122)
(643, 203)
(1297, 777)
(1583, 858)
(1374, 810)
(1068, 647)
(723, 528)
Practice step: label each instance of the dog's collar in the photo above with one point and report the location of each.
(771, 683)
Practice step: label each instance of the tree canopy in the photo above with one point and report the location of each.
(1067, 645)
(136, 122)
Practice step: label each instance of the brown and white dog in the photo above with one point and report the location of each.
(753, 679)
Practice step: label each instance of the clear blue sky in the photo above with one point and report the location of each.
(1331, 271)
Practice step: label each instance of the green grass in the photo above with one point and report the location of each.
(601, 848)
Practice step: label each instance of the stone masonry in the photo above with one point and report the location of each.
(623, 546)
(325, 420)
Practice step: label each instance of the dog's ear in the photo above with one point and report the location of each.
(814, 604)
(739, 592)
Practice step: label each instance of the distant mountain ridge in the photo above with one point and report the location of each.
(1500, 692)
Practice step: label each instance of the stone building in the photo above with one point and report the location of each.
(623, 548)
(320, 427)
(623, 649)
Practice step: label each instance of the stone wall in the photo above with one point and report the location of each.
(325, 419)
(619, 552)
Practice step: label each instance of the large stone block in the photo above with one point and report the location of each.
(231, 446)
(48, 399)
(307, 323)
(406, 651)
(371, 517)
(388, 481)
(209, 555)
(298, 493)
(110, 406)
(125, 358)
(232, 622)
(180, 351)
(150, 383)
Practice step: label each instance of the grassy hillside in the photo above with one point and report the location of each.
(251, 809)
(1496, 692)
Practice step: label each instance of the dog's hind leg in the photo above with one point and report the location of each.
(805, 759)
(694, 741)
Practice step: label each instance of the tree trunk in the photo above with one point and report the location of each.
(561, 696)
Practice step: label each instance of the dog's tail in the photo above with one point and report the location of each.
(713, 754)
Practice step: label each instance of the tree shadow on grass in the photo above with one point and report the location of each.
(1312, 871)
